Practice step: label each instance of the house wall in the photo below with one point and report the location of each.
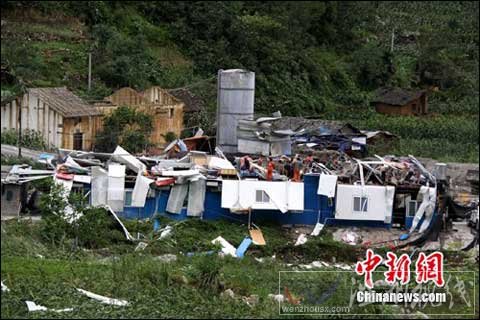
(380, 202)
(36, 115)
(241, 193)
(415, 107)
(126, 97)
(165, 110)
(87, 125)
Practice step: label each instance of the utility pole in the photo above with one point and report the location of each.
(19, 102)
(392, 41)
(89, 71)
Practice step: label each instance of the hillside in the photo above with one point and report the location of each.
(310, 58)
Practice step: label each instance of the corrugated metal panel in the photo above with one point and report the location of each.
(236, 90)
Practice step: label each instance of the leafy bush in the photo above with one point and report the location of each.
(30, 139)
(97, 229)
(55, 229)
(127, 127)
(207, 272)
(169, 136)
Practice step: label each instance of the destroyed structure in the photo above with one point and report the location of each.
(64, 119)
(311, 175)
(165, 110)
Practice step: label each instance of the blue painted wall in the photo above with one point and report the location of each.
(316, 208)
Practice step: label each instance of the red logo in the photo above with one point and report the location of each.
(427, 268)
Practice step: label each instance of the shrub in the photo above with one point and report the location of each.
(30, 139)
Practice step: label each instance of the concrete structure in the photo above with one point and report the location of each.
(235, 101)
(62, 118)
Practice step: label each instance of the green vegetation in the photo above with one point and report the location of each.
(318, 59)
(187, 287)
(29, 139)
(127, 127)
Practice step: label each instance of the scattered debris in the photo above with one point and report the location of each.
(318, 228)
(4, 288)
(228, 294)
(257, 237)
(251, 300)
(302, 239)
(32, 307)
(350, 237)
(166, 258)
(166, 232)
(141, 246)
(103, 299)
(242, 248)
(277, 297)
(227, 248)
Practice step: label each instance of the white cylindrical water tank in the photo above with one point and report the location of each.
(235, 99)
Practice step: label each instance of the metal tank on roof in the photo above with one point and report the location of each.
(235, 98)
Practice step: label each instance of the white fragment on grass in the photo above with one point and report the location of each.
(38, 255)
(318, 228)
(103, 299)
(4, 288)
(228, 294)
(141, 246)
(302, 239)
(32, 307)
(342, 266)
(227, 248)
(166, 232)
(277, 297)
(166, 258)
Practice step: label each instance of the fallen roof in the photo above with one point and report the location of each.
(64, 101)
(396, 96)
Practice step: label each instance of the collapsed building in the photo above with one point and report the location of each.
(323, 185)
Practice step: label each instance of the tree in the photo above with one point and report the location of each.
(126, 127)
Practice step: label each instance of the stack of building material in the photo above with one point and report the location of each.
(257, 137)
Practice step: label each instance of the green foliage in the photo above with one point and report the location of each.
(31, 139)
(97, 229)
(319, 59)
(207, 271)
(372, 66)
(93, 227)
(127, 127)
(169, 136)
(55, 228)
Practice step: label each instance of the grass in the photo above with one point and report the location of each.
(441, 136)
(187, 287)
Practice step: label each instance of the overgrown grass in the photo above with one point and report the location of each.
(187, 287)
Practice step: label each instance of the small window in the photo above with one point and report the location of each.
(412, 208)
(261, 196)
(9, 195)
(360, 204)
(128, 199)
(170, 113)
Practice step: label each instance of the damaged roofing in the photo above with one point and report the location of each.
(192, 102)
(64, 101)
(396, 96)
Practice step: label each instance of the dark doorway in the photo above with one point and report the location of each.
(78, 141)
